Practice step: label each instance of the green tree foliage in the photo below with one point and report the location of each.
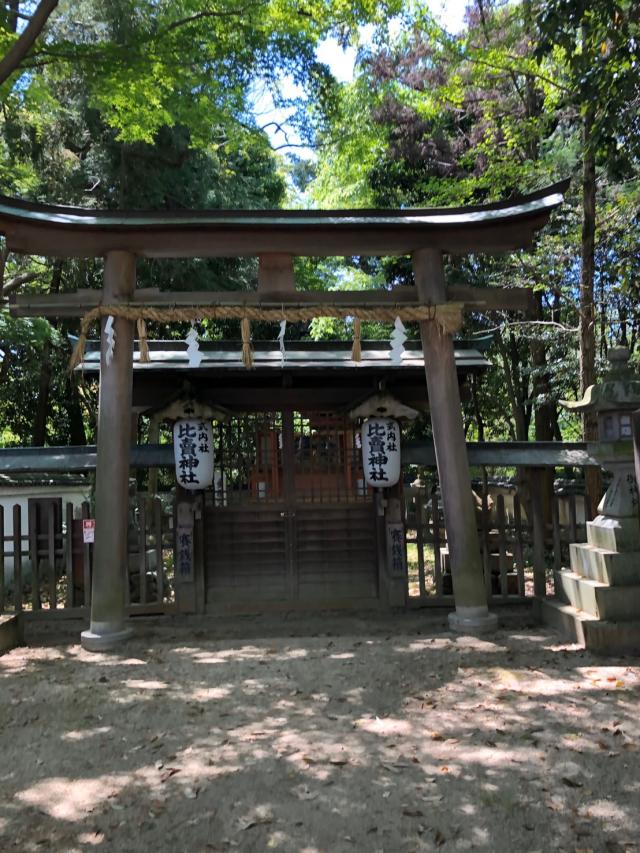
(434, 119)
(150, 103)
(125, 104)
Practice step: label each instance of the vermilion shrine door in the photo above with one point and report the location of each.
(290, 518)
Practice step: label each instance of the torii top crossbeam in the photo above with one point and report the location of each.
(42, 229)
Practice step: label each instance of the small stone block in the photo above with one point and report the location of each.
(11, 632)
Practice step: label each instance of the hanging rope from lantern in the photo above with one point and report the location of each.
(245, 331)
(356, 349)
(142, 340)
(446, 318)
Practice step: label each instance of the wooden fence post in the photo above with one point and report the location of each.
(17, 557)
(68, 554)
(51, 554)
(419, 509)
(86, 560)
(35, 562)
(2, 547)
(518, 542)
(635, 420)
(538, 532)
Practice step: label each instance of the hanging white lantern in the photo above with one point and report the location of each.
(381, 452)
(193, 452)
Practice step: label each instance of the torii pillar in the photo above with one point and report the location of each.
(472, 613)
(108, 629)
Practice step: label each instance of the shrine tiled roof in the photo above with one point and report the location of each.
(299, 355)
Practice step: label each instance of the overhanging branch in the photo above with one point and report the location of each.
(20, 48)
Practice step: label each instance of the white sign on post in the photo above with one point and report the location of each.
(381, 452)
(193, 452)
(88, 530)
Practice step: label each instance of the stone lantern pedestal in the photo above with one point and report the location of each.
(597, 599)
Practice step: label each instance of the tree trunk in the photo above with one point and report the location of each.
(5, 365)
(544, 413)
(10, 62)
(476, 406)
(39, 436)
(13, 7)
(77, 434)
(509, 367)
(587, 272)
(587, 318)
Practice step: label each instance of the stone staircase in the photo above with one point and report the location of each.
(597, 599)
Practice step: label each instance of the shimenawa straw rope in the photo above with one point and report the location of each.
(446, 317)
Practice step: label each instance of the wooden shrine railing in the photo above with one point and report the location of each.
(523, 536)
(50, 571)
(521, 544)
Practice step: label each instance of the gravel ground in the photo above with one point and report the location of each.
(318, 733)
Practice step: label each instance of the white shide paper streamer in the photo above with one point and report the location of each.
(110, 338)
(193, 347)
(398, 337)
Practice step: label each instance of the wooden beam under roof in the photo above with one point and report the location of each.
(41, 229)
(79, 302)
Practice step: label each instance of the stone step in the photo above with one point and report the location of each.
(598, 636)
(614, 534)
(609, 567)
(619, 603)
(563, 617)
(11, 632)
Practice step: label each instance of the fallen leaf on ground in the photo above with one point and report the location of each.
(169, 772)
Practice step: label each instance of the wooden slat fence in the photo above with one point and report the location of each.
(519, 550)
(42, 572)
(151, 581)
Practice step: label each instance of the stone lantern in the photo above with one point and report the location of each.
(598, 597)
(613, 401)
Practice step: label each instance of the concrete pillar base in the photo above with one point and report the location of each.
(104, 636)
(473, 620)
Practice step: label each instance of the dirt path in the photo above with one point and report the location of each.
(319, 734)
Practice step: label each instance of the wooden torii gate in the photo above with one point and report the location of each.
(275, 237)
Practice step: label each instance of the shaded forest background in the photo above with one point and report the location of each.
(122, 104)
